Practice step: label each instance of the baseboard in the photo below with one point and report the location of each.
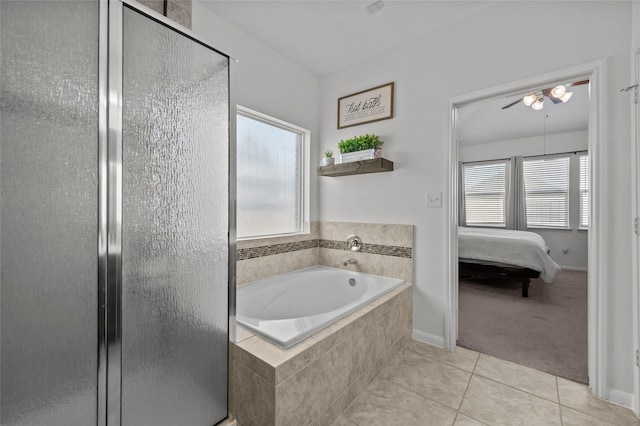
(574, 268)
(427, 338)
(621, 398)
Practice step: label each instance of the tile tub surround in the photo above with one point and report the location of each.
(387, 251)
(313, 382)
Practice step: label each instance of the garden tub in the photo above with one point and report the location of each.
(288, 308)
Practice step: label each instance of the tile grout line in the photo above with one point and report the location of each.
(441, 362)
(340, 341)
(591, 415)
(464, 394)
(421, 395)
(376, 377)
(515, 388)
(354, 382)
(558, 395)
(580, 410)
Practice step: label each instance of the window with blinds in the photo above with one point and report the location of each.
(584, 191)
(485, 193)
(546, 184)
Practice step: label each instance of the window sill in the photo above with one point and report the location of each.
(549, 228)
(485, 226)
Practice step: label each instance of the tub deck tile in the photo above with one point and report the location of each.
(313, 382)
(276, 364)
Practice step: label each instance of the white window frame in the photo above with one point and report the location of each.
(305, 167)
(549, 157)
(507, 175)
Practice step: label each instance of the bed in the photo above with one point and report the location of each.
(504, 254)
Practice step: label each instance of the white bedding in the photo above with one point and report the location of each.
(520, 248)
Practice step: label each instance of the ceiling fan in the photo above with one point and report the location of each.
(556, 94)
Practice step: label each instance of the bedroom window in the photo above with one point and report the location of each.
(546, 182)
(484, 193)
(584, 191)
(272, 176)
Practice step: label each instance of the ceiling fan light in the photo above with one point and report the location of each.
(539, 104)
(529, 99)
(558, 91)
(566, 96)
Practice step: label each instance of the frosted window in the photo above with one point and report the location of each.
(175, 228)
(270, 177)
(48, 213)
(484, 191)
(546, 183)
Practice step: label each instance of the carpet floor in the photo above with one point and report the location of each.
(547, 330)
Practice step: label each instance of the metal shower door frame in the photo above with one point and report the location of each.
(110, 201)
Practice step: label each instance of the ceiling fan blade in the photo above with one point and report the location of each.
(579, 83)
(511, 104)
(554, 99)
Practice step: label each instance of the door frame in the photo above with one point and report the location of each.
(635, 204)
(109, 248)
(596, 73)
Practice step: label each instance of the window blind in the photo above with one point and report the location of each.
(484, 191)
(584, 190)
(546, 184)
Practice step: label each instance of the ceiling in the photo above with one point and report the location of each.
(323, 35)
(486, 121)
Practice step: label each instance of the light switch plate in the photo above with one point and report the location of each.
(434, 199)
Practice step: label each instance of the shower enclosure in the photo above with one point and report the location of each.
(116, 225)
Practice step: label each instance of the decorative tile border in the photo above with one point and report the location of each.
(383, 250)
(253, 252)
(380, 249)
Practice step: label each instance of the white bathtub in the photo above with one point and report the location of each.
(288, 308)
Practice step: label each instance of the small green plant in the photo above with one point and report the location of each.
(328, 153)
(359, 143)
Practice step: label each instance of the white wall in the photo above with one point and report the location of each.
(535, 145)
(493, 47)
(574, 240)
(635, 36)
(266, 81)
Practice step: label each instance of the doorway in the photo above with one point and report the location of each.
(592, 72)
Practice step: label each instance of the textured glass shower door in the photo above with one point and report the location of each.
(48, 212)
(175, 225)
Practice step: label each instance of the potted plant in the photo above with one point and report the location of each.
(328, 159)
(359, 148)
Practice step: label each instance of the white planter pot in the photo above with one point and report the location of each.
(367, 154)
(328, 161)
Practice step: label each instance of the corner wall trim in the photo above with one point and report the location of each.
(623, 399)
(427, 338)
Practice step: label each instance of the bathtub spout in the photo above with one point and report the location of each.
(349, 262)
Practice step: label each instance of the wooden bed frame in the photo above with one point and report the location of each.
(481, 269)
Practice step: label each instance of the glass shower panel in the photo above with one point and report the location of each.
(174, 227)
(48, 213)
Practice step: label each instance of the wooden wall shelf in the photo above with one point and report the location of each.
(375, 165)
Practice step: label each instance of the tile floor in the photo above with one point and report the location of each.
(430, 386)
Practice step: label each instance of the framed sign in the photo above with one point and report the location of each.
(370, 105)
